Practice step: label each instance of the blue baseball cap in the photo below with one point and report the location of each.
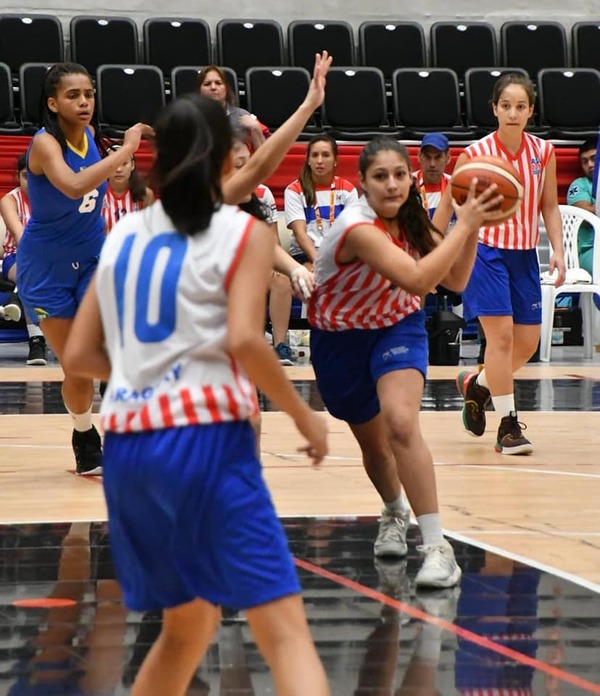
(437, 140)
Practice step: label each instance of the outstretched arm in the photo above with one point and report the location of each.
(270, 154)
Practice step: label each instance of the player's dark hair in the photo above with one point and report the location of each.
(513, 79)
(21, 162)
(305, 178)
(419, 231)
(49, 119)
(586, 145)
(193, 141)
(136, 184)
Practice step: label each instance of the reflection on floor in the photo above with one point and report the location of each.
(508, 630)
(439, 395)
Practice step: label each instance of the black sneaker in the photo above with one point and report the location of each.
(87, 448)
(37, 351)
(476, 398)
(285, 355)
(510, 436)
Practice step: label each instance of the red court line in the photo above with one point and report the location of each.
(452, 628)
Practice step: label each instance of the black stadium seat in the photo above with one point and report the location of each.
(306, 37)
(463, 45)
(99, 40)
(28, 38)
(169, 42)
(248, 43)
(391, 45)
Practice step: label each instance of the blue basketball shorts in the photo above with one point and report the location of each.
(504, 282)
(7, 263)
(53, 289)
(348, 364)
(190, 517)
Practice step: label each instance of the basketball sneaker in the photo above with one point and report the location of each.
(442, 604)
(285, 355)
(439, 568)
(510, 436)
(391, 537)
(393, 582)
(37, 351)
(87, 448)
(476, 399)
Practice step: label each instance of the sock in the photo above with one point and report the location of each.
(431, 528)
(482, 380)
(398, 505)
(82, 422)
(504, 405)
(33, 330)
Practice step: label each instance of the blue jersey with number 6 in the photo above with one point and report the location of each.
(62, 228)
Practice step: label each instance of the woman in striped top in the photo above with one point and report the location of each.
(504, 289)
(369, 343)
(125, 193)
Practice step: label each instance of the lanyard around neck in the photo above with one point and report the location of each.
(423, 192)
(318, 217)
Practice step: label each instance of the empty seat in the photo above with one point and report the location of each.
(428, 99)
(306, 37)
(355, 105)
(8, 122)
(534, 46)
(479, 85)
(274, 93)
(31, 80)
(391, 45)
(171, 42)
(585, 38)
(103, 40)
(30, 38)
(128, 94)
(184, 79)
(570, 102)
(463, 45)
(247, 43)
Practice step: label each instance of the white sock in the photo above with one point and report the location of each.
(482, 379)
(33, 330)
(398, 505)
(504, 405)
(82, 422)
(431, 528)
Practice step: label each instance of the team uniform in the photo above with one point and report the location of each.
(431, 194)
(266, 197)
(506, 275)
(114, 207)
(189, 513)
(329, 203)
(581, 190)
(59, 250)
(363, 326)
(10, 244)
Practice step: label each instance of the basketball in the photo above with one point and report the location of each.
(489, 170)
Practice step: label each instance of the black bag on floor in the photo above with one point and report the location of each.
(443, 327)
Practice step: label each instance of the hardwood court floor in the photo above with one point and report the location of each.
(544, 507)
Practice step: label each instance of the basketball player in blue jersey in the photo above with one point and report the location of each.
(61, 242)
(191, 521)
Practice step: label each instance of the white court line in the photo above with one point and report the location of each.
(523, 532)
(594, 587)
(465, 538)
(480, 467)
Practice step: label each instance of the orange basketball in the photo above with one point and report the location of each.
(489, 170)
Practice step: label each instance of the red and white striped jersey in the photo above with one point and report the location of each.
(354, 296)
(24, 213)
(163, 300)
(114, 207)
(266, 197)
(522, 230)
(330, 200)
(431, 194)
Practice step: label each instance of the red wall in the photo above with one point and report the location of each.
(12, 146)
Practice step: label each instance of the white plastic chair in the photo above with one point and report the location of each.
(572, 217)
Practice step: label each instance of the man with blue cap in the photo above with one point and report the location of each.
(431, 179)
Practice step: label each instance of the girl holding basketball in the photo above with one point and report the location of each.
(369, 343)
(504, 289)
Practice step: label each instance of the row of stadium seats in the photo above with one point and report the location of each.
(241, 44)
(358, 104)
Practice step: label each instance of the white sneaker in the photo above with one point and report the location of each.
(393, 582)
(439, 568)
(442, 604)
(391, 538)
(10, 312)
